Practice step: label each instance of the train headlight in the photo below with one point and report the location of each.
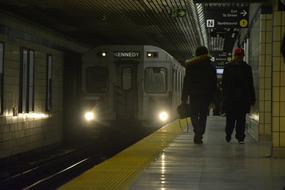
(89, 116)
(163, 116)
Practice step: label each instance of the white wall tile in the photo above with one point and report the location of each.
(276, 49)
(267, 83)
(275, 109)
(282, 93)
(268, 95)
(262, 61)
(282, 124)
(261, 83)
(268, 118)
(276, 124)
(262, 37)
(282, 109)
(276, 94)
(269, 26)
(276, 64)
(262, 17)
(282, 66)
(268, 71)
(261, 70)
(282, 79)
(277, 34)
(267, 106)
(276, 78)
(282, 139)
(268, 50)
(275, 139)
(261, 94)
(268, 129)
(277, 18)
(268, 16)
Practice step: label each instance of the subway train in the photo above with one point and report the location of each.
(141, 83)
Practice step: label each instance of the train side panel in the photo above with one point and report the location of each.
(162, 94)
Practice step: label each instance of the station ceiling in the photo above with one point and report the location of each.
(173, 25)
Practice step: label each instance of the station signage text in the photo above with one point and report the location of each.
(126, 54)
(228, 17)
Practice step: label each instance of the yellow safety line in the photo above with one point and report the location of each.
(120, 171)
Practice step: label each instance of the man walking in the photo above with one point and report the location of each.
(200, 83)
(238, 94)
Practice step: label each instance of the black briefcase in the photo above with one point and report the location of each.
(184, 110)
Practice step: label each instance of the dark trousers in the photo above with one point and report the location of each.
(199, 113)
(237, 121)
(199, 124)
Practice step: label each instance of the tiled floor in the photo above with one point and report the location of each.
(215, 165)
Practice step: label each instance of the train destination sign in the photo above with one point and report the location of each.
(126, 54)
(227, 17)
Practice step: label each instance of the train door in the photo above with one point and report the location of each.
(126, 90)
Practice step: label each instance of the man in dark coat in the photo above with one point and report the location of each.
(238, 94)
(200, 83)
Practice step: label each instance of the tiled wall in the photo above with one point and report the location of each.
(23, 133)
(278, 83)
(265, 77)
(17, 133)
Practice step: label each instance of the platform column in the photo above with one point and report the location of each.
(278, 84)
(265, 75)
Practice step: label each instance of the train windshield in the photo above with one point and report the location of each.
(155, 80)
(96, 80)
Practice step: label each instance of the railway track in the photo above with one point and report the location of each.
(56, 170)
(52, 173)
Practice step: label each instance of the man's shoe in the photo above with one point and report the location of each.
(241, 142)
(228, 138)
(198, 142)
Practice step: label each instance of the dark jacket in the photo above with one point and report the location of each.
(238, 88)
(200, 81)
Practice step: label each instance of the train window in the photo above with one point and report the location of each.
(26, 103)
(96, 79)
(126, 78)
(1, 75)
(49, 83)
(155, 80)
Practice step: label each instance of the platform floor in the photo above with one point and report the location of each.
(214, 165)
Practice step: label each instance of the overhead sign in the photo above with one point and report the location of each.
(210, 23)
(227, 17)
(178, 13)
(222, 57)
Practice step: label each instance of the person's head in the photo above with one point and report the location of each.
(239, 53)
(202, 50)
